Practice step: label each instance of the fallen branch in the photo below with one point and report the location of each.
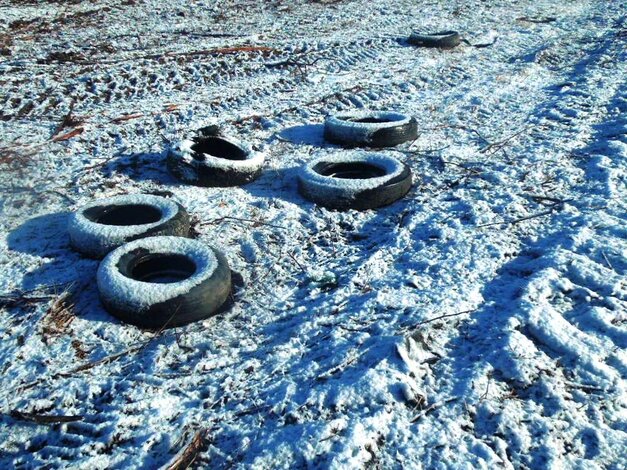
(522, 219)
(20, 298)
(480, 45)
(448, 315)
(186, 457)
(548, 19)
(89, 365)
(104, 360)
(228, 217)
(334, 370)
(68, 135)
(43, 419)
(222, 50)
(540, 198)
(126, 117)
(292, 62)
(501, 143)
(208, 34)
(473, 171)
(69, 120)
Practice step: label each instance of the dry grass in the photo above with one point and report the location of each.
(57, 320)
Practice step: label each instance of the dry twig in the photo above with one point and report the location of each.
(189, 454)
(431, 408)
(448, 315)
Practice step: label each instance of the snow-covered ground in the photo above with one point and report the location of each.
(477, 323)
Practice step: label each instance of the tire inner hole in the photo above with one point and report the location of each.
(217, 147)
(128, 214)
(350, 170)
(372, 120)
(161, 268)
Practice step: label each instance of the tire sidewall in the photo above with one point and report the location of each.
(200, 302)
(86, 237)
(339, 130)
(341, 198)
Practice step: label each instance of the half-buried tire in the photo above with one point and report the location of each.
(213, 160)
(370, 129)
(441, 40)
(163, 282)
(354, 181)
(104, 224)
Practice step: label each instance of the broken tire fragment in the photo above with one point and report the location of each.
(208, 159)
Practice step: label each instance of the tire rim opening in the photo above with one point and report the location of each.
(128, 214)
(350, 170)
(373, 119)
(161, 268)
(217, 147)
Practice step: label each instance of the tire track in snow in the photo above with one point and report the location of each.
(552, 322)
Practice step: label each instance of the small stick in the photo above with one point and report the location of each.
(326, 375)
(448, 315)
(548, 19)
(229, 217)
(501, 143)
(68, 135)
(431, 408)
(126, 117)
(608, 261)
(474, 171)
(540, 198)
(522, 219)
(296, 261)
(91, 365)
(480, 45)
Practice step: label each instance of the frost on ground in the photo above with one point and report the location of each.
(477, 323)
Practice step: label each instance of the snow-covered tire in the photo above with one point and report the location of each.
(104, 224)
(370, 128)
(442, 40)
(212, 160)
(163, 282)
(354, 181)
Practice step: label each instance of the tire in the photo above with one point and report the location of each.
(163, 282)
(354, 181)
(370, 129)
(104, 224)
(208, 159)
(442, 40)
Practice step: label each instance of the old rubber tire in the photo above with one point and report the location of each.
(442, 40)
(354, 180)
(163, 282)
(104, 224)
(208, 159)
(370, 129)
